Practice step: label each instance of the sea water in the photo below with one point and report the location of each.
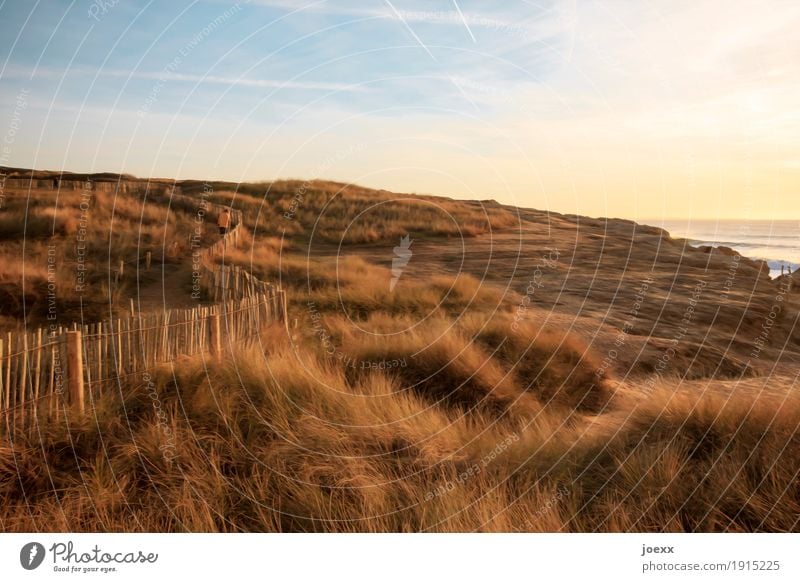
(775, 241)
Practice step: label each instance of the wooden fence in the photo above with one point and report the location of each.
(47, 370)
(41, 373)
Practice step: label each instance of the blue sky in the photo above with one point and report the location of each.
(630, 109)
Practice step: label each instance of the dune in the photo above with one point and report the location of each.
(507, 369)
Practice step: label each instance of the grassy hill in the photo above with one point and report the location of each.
(60, 247)
(504, 370)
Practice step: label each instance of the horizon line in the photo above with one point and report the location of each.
(641, 220)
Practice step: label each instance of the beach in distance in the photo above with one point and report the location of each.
(775, 241)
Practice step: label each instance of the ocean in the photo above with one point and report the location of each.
(775, 241)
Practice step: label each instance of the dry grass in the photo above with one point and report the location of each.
(126, 226)
(454, 425)
(423, 408)
(286, 441)
(76, 241)
(347, 214)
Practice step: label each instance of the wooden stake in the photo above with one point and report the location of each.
(37, 367)
(3, 397)
(191, 319)
(100, 355)
(23, 376)
(88, 330)
(216, 336)
(52, 378)
(118, 346)
(285, 310)
(75, 364)
(9, 351)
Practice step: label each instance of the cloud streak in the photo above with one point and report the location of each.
(49, 73)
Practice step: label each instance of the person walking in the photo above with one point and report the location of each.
(224, 222)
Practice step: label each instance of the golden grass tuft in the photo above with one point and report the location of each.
(270, 442)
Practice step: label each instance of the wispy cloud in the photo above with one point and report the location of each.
(456, 16)
(245, 82)
(50, 73)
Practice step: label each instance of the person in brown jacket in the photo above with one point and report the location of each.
(224, 222)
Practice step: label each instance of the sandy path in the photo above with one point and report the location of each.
(707, 306)
(165, 286)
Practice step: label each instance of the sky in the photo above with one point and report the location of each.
(639, 110)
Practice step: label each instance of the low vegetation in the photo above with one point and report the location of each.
(430, 406)
(60, 250)
(391, 425)
(328, 212)
(285, 438)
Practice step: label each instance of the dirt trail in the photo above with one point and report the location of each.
(706, 310)
(170, 287)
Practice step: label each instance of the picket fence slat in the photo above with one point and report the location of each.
(35, 368)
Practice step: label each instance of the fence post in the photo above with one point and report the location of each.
(216, 336)
(285, 309)
(75, 370)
